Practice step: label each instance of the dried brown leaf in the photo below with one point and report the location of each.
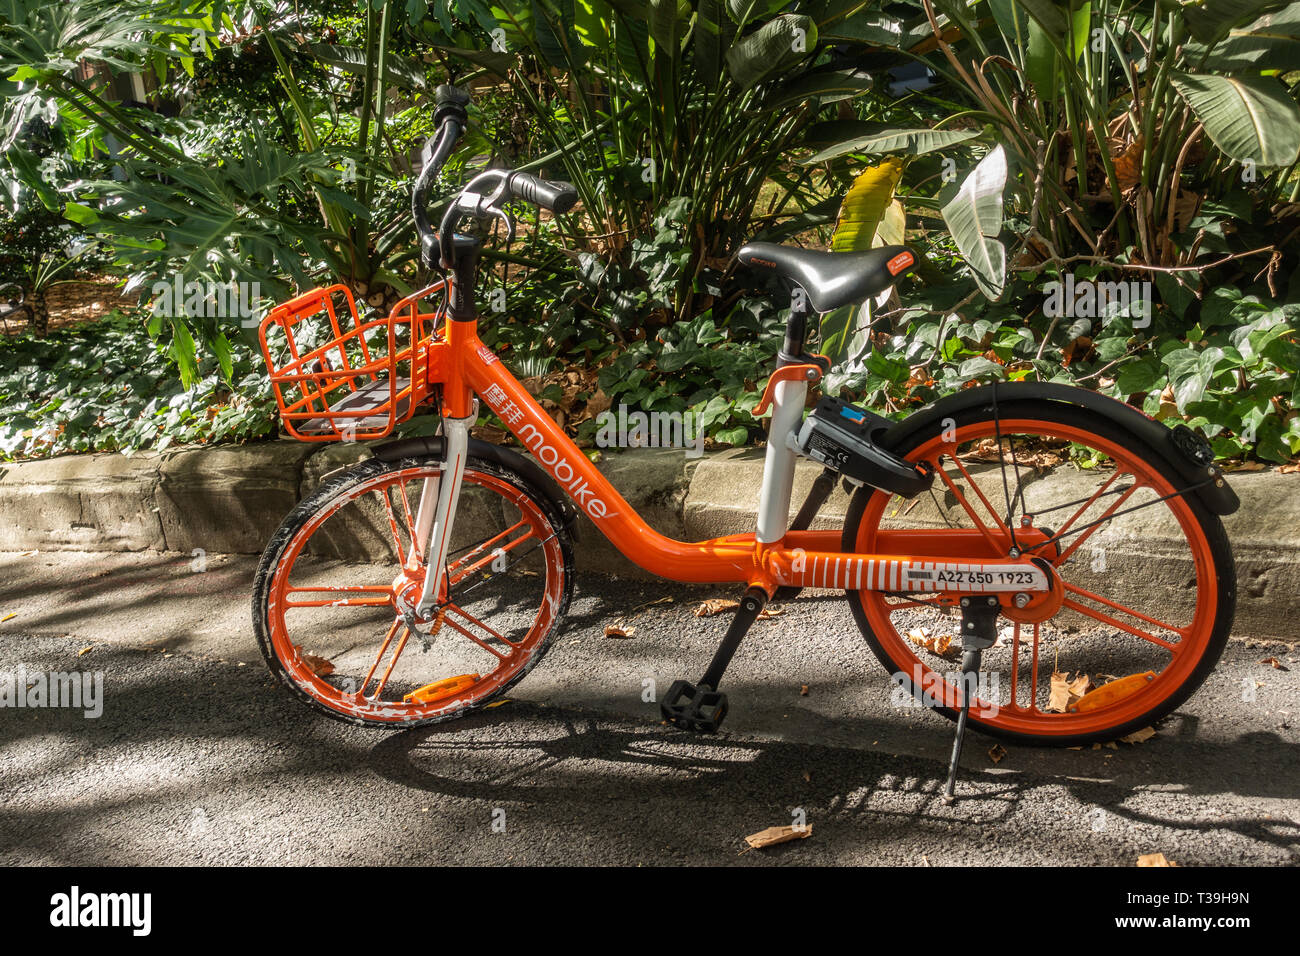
(715, 606)
(317, 665)
(1059, 695)
(1128, 165)
(1146, 733)
(774, 835)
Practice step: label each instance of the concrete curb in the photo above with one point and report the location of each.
(228, 499)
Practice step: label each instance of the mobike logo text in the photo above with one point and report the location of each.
(559, 466)
(555, 463)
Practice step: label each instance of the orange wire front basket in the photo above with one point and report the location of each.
(367, 377)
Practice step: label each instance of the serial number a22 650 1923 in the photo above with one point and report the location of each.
(972, 578)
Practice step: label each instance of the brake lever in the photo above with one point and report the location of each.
(498, 213)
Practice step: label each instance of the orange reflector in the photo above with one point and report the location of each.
(441, 689)
(1115, 690)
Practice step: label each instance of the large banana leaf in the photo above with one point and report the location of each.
(774, 45)
(1029, 36)
(823, 87)
(398, 70)
(865, 204)
(974, 218)
(1250, 118)
(870, 216)
(873, 27)
(1048, 14)
(1210, 20)
(911, 142)
(1269, 43)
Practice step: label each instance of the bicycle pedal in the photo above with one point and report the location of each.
(688, 707)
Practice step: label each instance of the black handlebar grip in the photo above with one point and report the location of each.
(558, 197)
(452, 102)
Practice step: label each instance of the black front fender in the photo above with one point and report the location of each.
(1187, 454)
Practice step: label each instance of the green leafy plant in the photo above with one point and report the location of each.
(111, 387)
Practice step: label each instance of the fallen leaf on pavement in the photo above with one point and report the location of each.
(614, 630)
(84, 650)
(997, 752)
(1154, 859)
(1290, 469)
(1059, 695)
(774, 835)
(317, 665)
(772, 610)
(28, 554)
(803, 690)
(1065, 692)
(715, 606)
(1146, 733)
(1276, 663)
(8, 616)
(942, 644)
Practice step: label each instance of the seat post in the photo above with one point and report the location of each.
(796, 327)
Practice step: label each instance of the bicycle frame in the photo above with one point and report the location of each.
(951, 561)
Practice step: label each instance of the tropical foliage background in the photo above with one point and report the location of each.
(1014, 144)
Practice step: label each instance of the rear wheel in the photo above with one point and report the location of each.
(335, 594)
(1146, 587)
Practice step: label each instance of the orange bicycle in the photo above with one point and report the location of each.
(425, 581)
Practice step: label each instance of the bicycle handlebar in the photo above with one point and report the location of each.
(452, 117)
(558, 197)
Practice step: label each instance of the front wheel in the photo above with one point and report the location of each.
(336, 591)
(1145, 587)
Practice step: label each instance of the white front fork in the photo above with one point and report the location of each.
(437, 509)
(778, 468)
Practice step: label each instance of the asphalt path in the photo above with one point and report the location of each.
(198, 757)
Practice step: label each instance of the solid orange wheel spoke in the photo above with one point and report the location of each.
(980, 494)
(1033, 683)
(997, 545)
(474, 637)
(1065, 555)
(463, 572)
(1124, 609)
(388, 639)
(416, 557)
(392, 526)
(1015, 664)
(1116, 622)
(1089, 503)
(364, 595)
(397, 652)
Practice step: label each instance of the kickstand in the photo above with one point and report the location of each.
(979, 614)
